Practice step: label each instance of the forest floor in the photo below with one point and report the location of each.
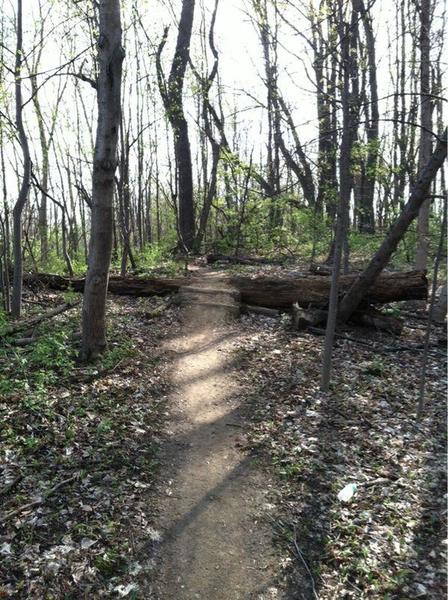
(198, 459)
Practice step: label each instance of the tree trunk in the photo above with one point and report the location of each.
(366, 213)
(300, 168)
(211, 180)
(172, 97)
(110, 57)
(419, 194)
(348, 38)
(16, 299)
(421, 257)
(272, 292)
(182, 152)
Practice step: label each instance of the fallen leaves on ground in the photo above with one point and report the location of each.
(80, 453)
(78, 464)
(388, 540)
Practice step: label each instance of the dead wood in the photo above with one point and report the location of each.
(38, 502)
(207, 291)
(302, 319)
(320, 269)
(242, 260)
(365, 281)
(271, 292)
(29, 324)
(313, 290)
(260, 310)
(378, 320)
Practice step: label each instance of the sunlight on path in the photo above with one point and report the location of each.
(214, 546)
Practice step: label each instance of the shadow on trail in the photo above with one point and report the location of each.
(235, 478)
(216, 341)
(346, 452)
(210, 546)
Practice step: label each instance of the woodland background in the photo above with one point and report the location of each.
(264, 95)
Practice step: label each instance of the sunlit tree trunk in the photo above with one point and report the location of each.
(172, 96)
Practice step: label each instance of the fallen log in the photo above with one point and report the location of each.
(378, 320)
(190, 295)
(207, 291)
(314, 290)
(260, 310)
(32, 322)
(320, 269)
(122, 286)
(272, 292)
(242, 260)
(366, 280)
(303, 318)
(224, 302)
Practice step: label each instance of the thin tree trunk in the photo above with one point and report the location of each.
(366, 213)
(421, 400)
(347, 35)
(421, 257)
(110, 57)
(16, 299)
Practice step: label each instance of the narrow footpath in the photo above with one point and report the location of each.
(214, 544)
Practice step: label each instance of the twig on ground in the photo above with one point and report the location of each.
(11, 485)
(305, 564)
(377, 481)
(36, 320)
(47, 494)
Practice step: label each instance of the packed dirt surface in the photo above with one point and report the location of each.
(214, 544)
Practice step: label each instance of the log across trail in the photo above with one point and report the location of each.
(272, 292)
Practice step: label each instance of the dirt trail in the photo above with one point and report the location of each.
(214, 546)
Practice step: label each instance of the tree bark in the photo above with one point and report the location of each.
(366, 213)
(301, 167)
(421, 257)
(210, 181)
(110, 58)
(348, 38)
(172, 92)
